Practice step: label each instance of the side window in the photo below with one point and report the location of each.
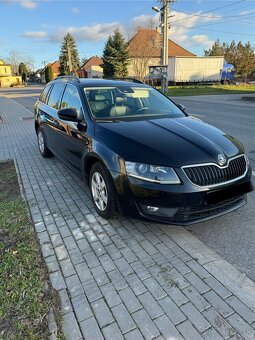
(55, 95)
(71, 99)
(44, 94)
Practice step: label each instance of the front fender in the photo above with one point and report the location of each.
(112, 161)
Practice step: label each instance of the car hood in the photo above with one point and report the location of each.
(168, 141)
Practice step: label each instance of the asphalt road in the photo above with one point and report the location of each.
(232, 236)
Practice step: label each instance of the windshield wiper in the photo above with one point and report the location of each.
(108, 120)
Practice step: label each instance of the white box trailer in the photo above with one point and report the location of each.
(195, 69)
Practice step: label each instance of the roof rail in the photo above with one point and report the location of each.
(132, 80)
(69, 77)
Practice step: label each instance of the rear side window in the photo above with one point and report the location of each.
(55, 95)
(44, 93)
(71, 99)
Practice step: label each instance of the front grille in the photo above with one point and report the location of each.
(206, 175)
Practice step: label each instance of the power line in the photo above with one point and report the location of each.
(211, 10)
(236, 9)
(208, 29)
(216, 23)
(216, 17)
(245, 22)
(222, 22)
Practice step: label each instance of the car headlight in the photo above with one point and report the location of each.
(152, 173)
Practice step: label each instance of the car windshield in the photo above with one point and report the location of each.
(125, 102)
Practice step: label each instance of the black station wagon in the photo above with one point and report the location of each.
(140, 152)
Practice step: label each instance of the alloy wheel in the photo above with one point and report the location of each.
(40, 141)
(99, 191)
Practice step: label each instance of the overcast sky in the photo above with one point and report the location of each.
(36, 27)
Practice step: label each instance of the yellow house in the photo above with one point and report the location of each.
(6, 78)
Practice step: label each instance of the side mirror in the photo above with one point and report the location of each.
(69, 114)
(181, 107)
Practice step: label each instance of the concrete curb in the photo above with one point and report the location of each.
(239, 284)
(52, 325)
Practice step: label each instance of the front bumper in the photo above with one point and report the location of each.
(182, 204)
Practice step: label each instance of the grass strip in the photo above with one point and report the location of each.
(25, 292)
(197, 90)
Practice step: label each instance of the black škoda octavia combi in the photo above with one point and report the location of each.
(140, 151)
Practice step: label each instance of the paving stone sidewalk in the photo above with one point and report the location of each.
(123, 278)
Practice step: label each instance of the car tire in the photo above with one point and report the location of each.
(44, 150)
(102, 190)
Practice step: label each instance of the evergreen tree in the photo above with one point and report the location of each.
(23, 72)
(216, 50)
(242, 56)
(68, 51)
(245, 59)
(83, 61)
(115, 56)
(24, 78)
(230, 52)
(48, 74)
(108, 62)
(22, 69)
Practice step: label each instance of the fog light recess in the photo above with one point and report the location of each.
(152, 209)
(158, 211)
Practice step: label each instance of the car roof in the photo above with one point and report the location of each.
(108, 82)
(97, 82)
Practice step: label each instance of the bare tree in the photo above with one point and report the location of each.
(144, 50)
(14, 60)
(16, 57)
(29, 62)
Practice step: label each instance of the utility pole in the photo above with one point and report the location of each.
(164, 10)
(44, 63)
(164, 54)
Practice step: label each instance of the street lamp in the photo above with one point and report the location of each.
(156, 9)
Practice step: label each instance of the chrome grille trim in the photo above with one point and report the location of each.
(212, 175)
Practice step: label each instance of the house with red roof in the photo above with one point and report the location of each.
(55, 70)
(91, 68)
(145, 50)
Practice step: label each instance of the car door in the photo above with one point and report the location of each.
(72, 138)
(51, 124)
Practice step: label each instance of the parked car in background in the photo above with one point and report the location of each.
(140, 152)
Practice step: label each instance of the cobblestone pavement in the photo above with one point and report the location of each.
(122, 278)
